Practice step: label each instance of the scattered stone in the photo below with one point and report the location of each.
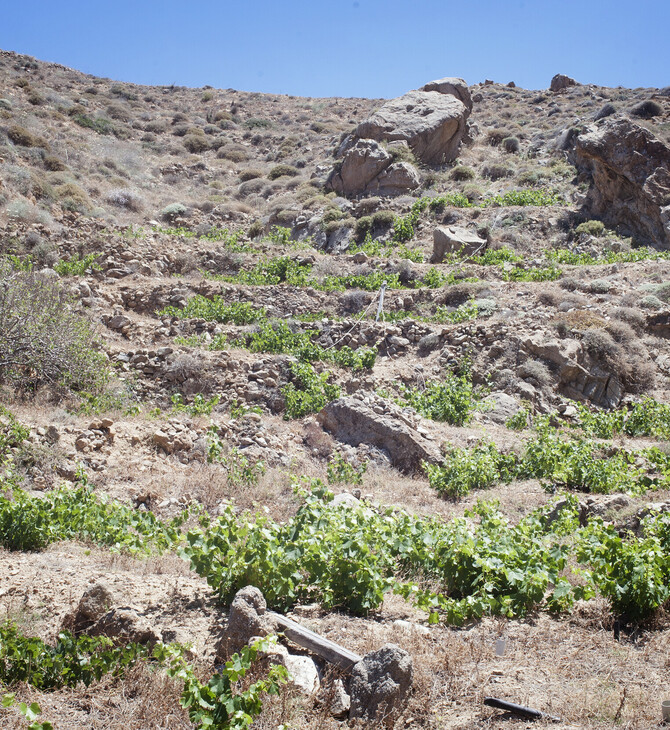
(125, 624)
(303, 672)
(340, 703)
(95, 602)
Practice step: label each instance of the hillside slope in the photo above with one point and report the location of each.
(498, 331)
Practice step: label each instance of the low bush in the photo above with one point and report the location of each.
(196, 143)
(461, 173)
(20, 136)
(42, 340)
(647, 109)
(282, 171)
(510, 144)
(123, 198)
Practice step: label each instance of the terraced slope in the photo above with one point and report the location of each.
(498, 422)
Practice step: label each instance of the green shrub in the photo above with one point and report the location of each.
(592, 228)
(196, 143)
(350, 557)
(72, 660)
(99, 125)
(215, 309)
(257, 124)
(383, 218)
(342, 471)
(172, 211)
(283, 171)
(66, 513)
(465, 469)
(461, 173)
(524, 197)
(77, 266)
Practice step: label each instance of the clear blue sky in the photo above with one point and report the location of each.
(371, 48)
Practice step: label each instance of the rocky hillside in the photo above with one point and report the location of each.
(401, 365)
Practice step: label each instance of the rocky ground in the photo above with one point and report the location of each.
(189, 195)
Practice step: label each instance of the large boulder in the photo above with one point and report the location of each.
(452, 86)
(630, 170)
(398, 179)
(433, 123)
(560, 82)
(354, 422)
(453, 239)
(360, 166)
(368, 169)
(380, 683)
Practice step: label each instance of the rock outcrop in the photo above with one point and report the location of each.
(354, 422)
(579, 378)
(368, 169)
(630, 169)
(453, 239)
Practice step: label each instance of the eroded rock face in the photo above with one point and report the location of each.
(380, 682)
(579, 377)
(630, 169)
(354, 422)
(432, 123)
(368, 169)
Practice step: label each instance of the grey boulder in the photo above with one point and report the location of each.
(380, 682)
(433, 124)
(367, 168)
(453, 239)
(352, 421)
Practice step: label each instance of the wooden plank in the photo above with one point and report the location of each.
(326, 649)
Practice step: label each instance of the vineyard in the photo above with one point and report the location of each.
(432, 424)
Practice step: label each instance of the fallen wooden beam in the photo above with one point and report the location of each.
(324, 648)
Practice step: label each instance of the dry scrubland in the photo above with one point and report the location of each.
(187, 323)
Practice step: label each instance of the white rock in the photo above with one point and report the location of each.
(303, 672)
